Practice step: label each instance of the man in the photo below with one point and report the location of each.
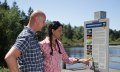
(25, 55)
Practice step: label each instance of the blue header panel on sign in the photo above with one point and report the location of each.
(93, 25)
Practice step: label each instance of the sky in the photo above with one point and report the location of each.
(74, 12)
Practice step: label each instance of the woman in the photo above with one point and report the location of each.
(53, 50)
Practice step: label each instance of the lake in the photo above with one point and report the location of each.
(114, 56)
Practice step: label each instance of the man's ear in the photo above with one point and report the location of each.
(36, 19)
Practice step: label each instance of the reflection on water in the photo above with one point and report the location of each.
(114, 57)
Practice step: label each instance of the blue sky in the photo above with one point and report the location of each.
(74, 12)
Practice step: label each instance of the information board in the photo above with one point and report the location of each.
(96, 43)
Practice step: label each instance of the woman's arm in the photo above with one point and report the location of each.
(66, 58)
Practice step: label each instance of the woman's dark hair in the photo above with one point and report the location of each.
(54, 25)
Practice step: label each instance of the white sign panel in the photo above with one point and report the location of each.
(96, 43)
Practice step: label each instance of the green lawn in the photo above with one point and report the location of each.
(3, 69)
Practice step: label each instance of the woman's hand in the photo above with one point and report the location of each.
(84, 61)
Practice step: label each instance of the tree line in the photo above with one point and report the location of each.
(12, 21)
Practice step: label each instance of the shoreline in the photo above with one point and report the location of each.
(115, 46)
(88, 70)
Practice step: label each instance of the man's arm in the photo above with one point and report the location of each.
(11, 59)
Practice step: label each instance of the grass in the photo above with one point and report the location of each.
(2, 69)
(114, 70)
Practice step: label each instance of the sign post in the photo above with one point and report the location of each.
(96, 43)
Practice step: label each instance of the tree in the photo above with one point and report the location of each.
(30, 12)
(78, 32)
(5, 5)
(23, 19)
(68, 31)
(9, 27)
